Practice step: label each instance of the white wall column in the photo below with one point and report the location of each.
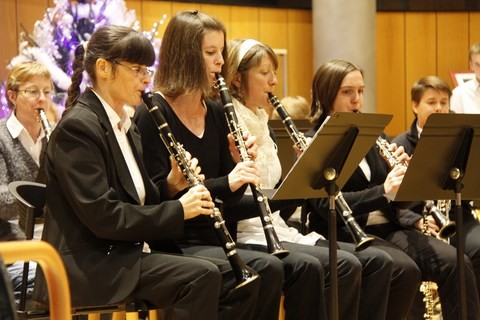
(345, 29)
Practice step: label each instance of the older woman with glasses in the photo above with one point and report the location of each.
(22, 139)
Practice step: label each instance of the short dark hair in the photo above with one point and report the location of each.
(428, 82)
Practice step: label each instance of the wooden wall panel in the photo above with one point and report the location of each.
(244, 23)
(273, 32)
(273, 27)
(474, 31)
(152, 12)
(8, 32)
(137, 6)
(300, 53)
(28, 12)
(420, 52)
(391, 69)
(223, 13)
(183, 6)
(453, 43)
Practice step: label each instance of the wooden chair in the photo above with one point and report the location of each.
(7, 305)
(52, 265)
(30, 198)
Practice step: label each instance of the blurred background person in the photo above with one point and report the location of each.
(297, 107)
(466, 96)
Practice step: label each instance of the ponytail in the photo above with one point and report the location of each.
(77, 76)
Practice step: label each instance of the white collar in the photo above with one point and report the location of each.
(121, 123)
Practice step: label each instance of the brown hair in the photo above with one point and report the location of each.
(181, 68)
(23, 72)
(428, 82)
(251, 59)
(325, 86)
(114, 44)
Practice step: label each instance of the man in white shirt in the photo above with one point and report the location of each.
(466, 97)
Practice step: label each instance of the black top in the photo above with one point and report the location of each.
(211, 150)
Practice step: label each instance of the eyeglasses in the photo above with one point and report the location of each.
(139, 71)
(35, 93)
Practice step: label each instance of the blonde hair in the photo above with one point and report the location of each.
(296, 106)
(243, 55)
(21, 73)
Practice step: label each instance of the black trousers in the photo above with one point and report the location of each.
(472, 250)
(376, 275)
(358, 273)
(268, 294)
(191, 285)
(437, 262)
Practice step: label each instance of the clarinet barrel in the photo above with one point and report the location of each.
(45, 123)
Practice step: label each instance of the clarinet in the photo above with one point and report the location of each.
(243, 273)
(447, 227)
(42, 117)
(274, 245)
(361, 239)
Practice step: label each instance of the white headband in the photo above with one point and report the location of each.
(244, 48)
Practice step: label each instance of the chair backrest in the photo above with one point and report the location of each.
(31, 202)
(7, 306)
(53, 269)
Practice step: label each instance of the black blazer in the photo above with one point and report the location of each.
(93, 215)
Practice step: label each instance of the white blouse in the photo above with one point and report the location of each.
(268, 164)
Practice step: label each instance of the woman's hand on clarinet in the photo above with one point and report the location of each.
(394, 180)
(400, 154)
(176, 180)
(197, 201)
(250, 144)
(244, 172)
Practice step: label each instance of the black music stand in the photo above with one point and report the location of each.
(446, 159)
(325, 166)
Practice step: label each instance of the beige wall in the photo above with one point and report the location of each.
(408, 45)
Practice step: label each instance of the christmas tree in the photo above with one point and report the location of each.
(63, 27)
